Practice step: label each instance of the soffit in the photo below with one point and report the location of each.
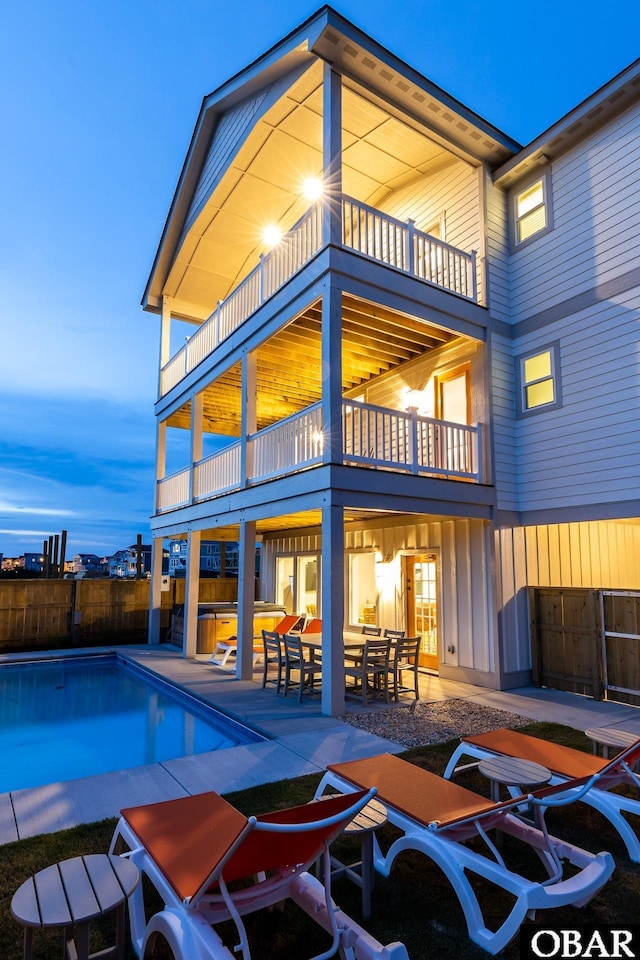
(263, 185)
(375, 340)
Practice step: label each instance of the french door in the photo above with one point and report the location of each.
(421, 591)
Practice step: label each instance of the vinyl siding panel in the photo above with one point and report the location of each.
(588, 451)
(451, 194)
(602, 555)
(228, 135)
(596, 212)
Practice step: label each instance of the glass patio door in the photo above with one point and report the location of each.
(422, 606)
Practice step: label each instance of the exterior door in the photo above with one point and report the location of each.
(453, 404)
(422, 605)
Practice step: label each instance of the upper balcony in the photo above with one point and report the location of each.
(364, 230)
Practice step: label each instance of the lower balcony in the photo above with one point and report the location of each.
(372, 437)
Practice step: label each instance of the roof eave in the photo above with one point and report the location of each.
(611, 99)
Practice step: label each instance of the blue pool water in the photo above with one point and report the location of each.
(82, 716)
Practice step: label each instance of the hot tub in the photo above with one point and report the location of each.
(219, 621)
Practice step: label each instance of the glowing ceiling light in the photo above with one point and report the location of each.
(312, 188)
(271, 235)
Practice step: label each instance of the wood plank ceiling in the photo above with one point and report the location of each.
(375, 340)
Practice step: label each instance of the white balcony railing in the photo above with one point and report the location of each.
(218, 473)
(373, 437)
(392, 440)
(173, 491)
(288, 445)
(365, 230)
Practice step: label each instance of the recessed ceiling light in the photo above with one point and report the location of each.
(312, 188)
(271, 235)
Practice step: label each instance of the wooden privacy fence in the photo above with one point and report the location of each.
(586, 641)
(36, 614)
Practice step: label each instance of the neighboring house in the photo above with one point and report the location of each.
(423, 397)
(86, 564)
(34, 562)
(216, 559)
(124, 563)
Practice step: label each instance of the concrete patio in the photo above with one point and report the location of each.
(300, 741)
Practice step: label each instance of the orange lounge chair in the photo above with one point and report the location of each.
(566, 764)
(194, 848)
(438, 817)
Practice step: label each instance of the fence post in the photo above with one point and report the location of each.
(261, 279)
(216, 329)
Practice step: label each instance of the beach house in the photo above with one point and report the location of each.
(399, 352)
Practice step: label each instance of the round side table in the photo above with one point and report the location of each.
(362, 873)
(72, 893)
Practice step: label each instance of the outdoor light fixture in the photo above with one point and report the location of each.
(312, 188)
(271, 235)
(412, 400)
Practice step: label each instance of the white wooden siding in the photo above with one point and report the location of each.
(452, 193)
(598, 554)
(588, 451)
(467, 606)
(500, 349)
(596, 212)
(227, 138)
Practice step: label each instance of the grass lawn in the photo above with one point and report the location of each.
(415, 905)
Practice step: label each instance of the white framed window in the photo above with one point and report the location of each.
(531, 210)
(362, 596)
(539, 380)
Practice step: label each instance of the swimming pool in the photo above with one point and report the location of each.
(65, 718)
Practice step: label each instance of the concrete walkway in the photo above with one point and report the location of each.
(300, 741)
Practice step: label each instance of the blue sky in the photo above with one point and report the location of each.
(97, 105)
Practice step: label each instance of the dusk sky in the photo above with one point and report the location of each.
(98, 104)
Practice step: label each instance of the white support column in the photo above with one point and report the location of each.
(153, 632)
(332, 375)
(248, 424)
(161, 459)
(332, 606)
(191, 595)
(197, 405)
(246, 598)
(165, 339)
(332, 155)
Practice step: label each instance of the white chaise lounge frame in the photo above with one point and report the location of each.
(570, 768)
(443, 841)
(187, 923)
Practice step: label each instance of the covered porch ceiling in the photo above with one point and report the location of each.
(289, 366)
(263, 184)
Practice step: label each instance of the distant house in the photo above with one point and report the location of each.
(86, 564)
(34, 562)
(124, 563)
(216, 559)
(423, 379)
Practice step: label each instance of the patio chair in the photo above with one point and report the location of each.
(296, 662)
(272, 655)
(371, 665)
(209, 863)
(368, 630)
(292, 623)
(567, 765)
(404, 659)
(438, 818)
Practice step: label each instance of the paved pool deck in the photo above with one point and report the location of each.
(300, 741)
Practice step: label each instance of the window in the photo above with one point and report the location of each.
(363, 591)
(531, 211)
(539, 380)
